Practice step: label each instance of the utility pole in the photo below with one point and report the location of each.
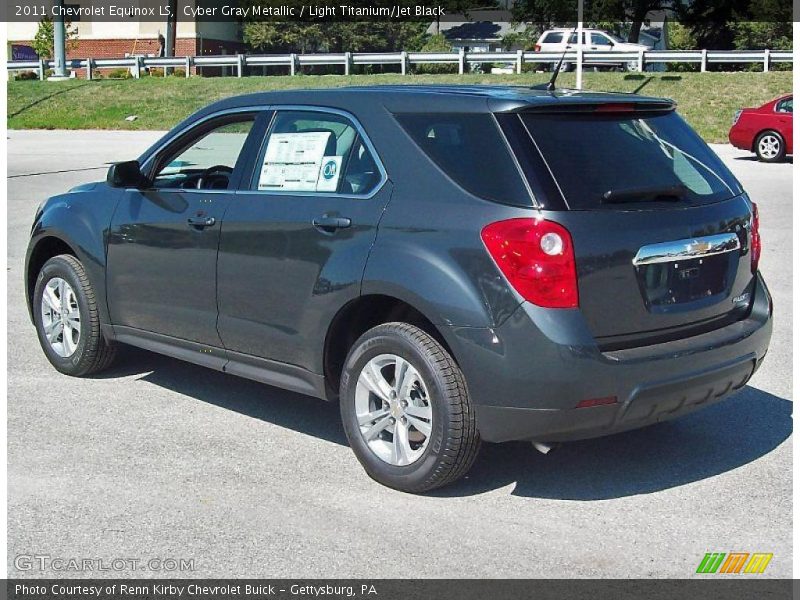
(169, 44)
(59, 42)
(579, 66)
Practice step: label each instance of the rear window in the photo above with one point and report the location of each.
(601, 160)
(470, 149)
(553, 38)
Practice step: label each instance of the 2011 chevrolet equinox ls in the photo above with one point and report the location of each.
(451, 263)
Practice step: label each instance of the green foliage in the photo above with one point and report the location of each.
(269, 36)
(44, 40)
(735, 23)
(119, 74)
(523, 40)
(706, 100)
(437, 43)
(681, 37)
(274, 37)
(758, 35)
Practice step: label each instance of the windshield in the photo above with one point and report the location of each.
(597, 156)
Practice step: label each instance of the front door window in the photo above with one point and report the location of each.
(206, 162)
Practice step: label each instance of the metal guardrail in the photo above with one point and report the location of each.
(638, 60)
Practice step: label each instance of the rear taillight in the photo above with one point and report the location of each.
(537, 48)
(755, 240)
(537, 258)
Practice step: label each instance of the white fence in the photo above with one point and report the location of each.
(238, 63)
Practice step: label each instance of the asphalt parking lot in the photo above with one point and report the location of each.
(162, 459)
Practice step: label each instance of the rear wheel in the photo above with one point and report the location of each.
(770, 147)
(67, 320)
(631, 66)
(406, 411)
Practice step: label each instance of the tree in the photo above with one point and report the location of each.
(44, 40)
(437, 43)
(358, 36)
(749, 35)
(728, 24)
(565, 12)
(290, 36)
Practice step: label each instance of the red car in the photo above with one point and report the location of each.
(766, 130)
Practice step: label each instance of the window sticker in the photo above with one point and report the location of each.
(293, 161)
(328, 180)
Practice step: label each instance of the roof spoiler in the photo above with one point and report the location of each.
(594, 106)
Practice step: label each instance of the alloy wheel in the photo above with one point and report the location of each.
(393, 409)
(61, 317)
(769, 146)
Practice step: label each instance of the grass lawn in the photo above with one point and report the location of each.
(706, 100)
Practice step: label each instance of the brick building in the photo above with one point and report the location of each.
(131, 37)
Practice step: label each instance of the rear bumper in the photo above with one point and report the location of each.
(527, 376)
(740, 139)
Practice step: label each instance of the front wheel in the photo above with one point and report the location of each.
(770, 147)
(406, 411)
(66, 318)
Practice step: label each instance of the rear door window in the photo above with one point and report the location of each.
(622, 160)
(598, 39)
(470, 149)
(313, 152)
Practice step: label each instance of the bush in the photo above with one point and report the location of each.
(26, 76)
(119, 74)
(437, 43)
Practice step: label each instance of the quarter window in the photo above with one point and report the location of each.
(553, 38)
(470, 149)
(311, 151)
(784, 106)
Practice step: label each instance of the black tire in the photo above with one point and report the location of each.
(769, 156)
(92, 353)
(630, 66)
(454, 441)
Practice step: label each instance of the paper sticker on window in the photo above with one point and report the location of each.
(328, 180)
(292, 161)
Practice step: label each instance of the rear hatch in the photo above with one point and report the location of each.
(660, 226)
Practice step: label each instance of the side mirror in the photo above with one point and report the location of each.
(126, 174)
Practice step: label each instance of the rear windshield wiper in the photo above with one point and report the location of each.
(644, 194)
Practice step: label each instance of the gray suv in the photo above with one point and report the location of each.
(450, 263)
